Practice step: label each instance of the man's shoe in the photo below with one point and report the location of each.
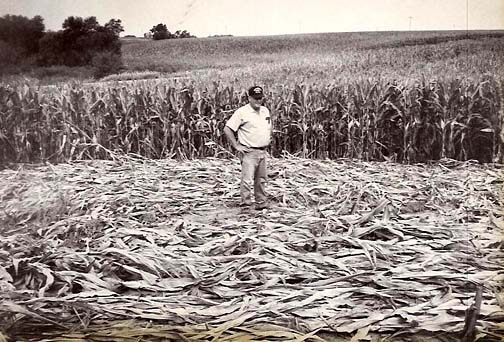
(261, 206)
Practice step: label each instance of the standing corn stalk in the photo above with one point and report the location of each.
(366, 120)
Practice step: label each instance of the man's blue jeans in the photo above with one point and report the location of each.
(254, 176)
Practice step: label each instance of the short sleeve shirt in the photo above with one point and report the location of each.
(254, 128)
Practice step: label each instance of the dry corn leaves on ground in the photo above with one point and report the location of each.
(348, 247)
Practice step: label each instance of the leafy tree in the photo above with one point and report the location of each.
(51, 49)
(182, 34)
(160, 31)
(80, 41)
(21, 33)
(9, 55)
(115, 25)
(78, 26)
(105, 63)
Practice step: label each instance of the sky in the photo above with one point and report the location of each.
(270, 17)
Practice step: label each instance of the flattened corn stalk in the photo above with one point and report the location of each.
(370, 121)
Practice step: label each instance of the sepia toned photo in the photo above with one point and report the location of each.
(197, 170)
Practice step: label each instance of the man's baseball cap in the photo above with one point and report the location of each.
(256, 92)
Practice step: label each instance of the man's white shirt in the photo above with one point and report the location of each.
(254, 128)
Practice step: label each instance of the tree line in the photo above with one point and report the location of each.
(25, 44)
(160, 31)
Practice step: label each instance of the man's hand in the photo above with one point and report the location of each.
(242, 148)
(231, 137)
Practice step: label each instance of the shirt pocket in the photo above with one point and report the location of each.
(268, 121)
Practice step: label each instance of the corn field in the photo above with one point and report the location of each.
(367, 120)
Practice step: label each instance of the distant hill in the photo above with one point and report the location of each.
(339, 53)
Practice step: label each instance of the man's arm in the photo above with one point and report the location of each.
(230, 135)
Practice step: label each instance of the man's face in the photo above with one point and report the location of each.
(255, 103)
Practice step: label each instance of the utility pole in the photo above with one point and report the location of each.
(410, 18)
(467, 17)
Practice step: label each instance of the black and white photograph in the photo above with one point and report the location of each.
(251, 170)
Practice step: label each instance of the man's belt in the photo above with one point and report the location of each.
(259, 148)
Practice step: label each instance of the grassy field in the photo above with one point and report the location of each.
(328, 57)
(323, 58)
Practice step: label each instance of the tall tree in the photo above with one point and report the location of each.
(160, 31)
(115, 25)
(80, 41)
(21, 33)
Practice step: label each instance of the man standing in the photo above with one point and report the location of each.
(252, 123)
